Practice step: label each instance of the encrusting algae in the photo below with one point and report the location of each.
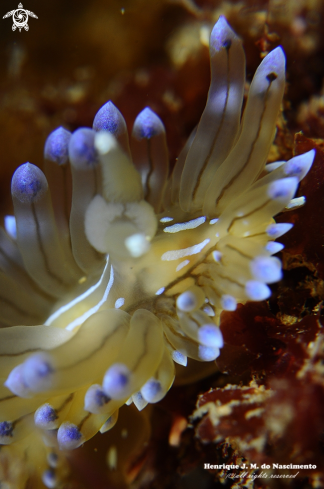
(132, 278)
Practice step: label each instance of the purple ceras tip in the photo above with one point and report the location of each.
(57, 146)
(15, 382)
(49, 478)
(276, 230)
(69, 436)
(38, 372)
(95, 399)
(45, 417)
(257, 291)
(82, 152)
(221, 36)
(271, 70)
(147, 125)
(299, 165)
(109, 118)
(152, 391)
(6, 429)
(266, 269)
(28, 183)
(283, 188)
(116, 383)
(211, 336)
(208, 353)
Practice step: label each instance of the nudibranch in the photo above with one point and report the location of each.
(105, 288)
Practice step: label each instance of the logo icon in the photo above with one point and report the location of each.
(20, 18)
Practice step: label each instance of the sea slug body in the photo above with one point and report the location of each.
(102, 297)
